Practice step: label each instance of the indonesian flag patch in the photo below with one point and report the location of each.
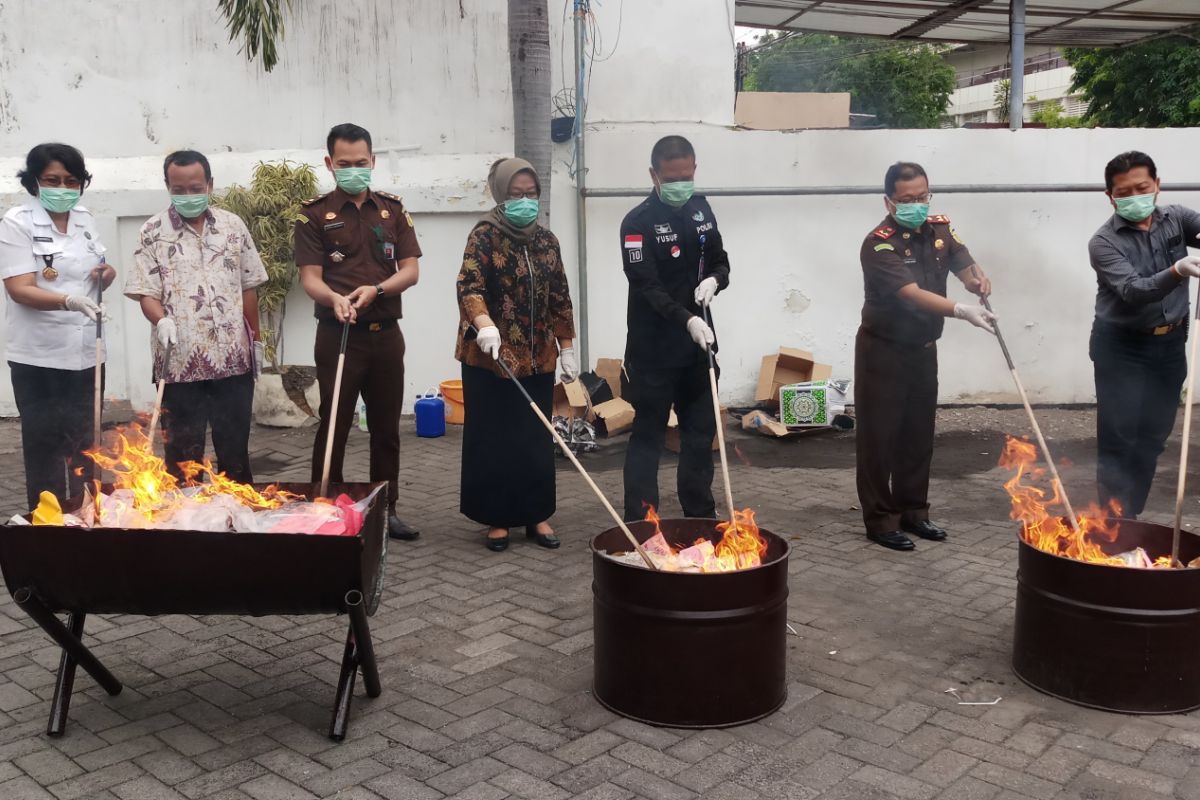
(633, 242)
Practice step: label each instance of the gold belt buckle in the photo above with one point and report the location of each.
(374, 327)
(1161, 329)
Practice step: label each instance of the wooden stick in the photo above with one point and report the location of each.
(575, 461)
(333, 409)
(158, 399)
(1187, 435)
(98, 388)
(1037, 429)
(712, 383)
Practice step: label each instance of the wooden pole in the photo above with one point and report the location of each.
(1037, 429)
(575, 461)
(712, 383)
(98, 383)
(1181, 484)
(333, 409)
(158, 398)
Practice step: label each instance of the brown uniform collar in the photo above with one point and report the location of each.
(342, 198)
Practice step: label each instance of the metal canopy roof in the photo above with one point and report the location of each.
(1080, 23)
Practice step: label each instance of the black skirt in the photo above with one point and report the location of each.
(507, 454)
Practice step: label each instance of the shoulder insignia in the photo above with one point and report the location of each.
(940, 219)
(408, 219)
(312, 200)
(884, 233)
(883, 246)
(388, 195)
(957, 238)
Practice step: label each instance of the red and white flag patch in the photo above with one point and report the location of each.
(675, 251)
(633, 241)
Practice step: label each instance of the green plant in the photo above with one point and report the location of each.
(270, 207)
(1052, 115)
(1002, 94)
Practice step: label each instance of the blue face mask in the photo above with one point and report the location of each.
(1137, 207)
(911, 215)
(521, 211)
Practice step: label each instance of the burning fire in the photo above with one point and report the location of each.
(156, 493)
(741, 546)
(1050, 532)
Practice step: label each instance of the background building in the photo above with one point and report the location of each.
(982, 71)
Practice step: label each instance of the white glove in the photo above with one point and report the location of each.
(700, 332)
(705, 292)
(569, 362)
(1188, 267)
(978, 316)
(260, 355)
(488, 340)
(85, 306)
(166, 332)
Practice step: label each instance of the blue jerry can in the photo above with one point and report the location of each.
(431, 416)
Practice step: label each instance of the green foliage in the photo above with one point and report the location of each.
(1002, 94)
(1052, 115)
(904, 85)
(260, 23)
(270, 208)
(1150, 85)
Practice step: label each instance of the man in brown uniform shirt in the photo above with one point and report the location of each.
(905, 261)
(357, 251)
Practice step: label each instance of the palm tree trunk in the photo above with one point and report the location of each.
(529, 62)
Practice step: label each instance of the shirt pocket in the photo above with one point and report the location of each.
(50, 262)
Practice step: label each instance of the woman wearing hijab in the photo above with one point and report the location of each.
(514, 306)
(52, 263)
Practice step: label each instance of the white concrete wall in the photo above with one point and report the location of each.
(423, 75)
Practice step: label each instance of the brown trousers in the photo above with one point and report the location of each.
(375, 369)
(895, 404)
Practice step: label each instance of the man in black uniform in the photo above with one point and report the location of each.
(357, 252)
(905, 261)
(676, 263)
(1137, 347)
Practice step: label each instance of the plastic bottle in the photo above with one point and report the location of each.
(360, 412)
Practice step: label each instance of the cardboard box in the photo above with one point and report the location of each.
(672, 440)
(610, 369)
(786, 111)
(613, 417)
(786, 367)
(812, 404)
(571, 400)
(764, 423)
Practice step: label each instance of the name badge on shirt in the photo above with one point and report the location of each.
(43, 239)
(334, 226)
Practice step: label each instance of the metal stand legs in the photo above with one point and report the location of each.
(359, 652)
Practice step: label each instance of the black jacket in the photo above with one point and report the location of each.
(661, 252)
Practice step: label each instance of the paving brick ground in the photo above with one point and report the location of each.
(486, 662)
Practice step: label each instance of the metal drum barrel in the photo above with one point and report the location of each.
(1114, 638)
(689, 650)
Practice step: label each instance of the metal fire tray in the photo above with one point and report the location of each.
(81, 571)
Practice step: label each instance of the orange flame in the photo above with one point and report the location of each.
(156, 492)
(1051, 532)
(741, 545)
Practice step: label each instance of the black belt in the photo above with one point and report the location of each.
(1163, 330)
(371, 327)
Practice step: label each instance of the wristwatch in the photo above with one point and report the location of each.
(379, 289)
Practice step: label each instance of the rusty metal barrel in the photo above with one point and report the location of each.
(689, 650)
(1114, 638)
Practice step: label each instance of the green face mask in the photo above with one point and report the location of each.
(521, 212)
(1137, 207)
(190, 206)
(911, 215)
(58, 201)
(676, 193)
(353, 180)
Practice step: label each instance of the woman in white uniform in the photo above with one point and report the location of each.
(51, 261)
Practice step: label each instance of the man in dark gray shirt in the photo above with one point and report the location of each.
(1137, 346)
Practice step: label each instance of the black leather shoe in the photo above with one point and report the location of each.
(397, 529)
(925, 529)
(497, 545)
(894, 540)
(547, 540)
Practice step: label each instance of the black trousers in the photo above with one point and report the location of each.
(56, 407)
(225, 405)
(652, 393)
(1138, 380)
(895, 405)
(375, 369)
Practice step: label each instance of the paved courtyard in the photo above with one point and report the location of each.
(486, 660)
